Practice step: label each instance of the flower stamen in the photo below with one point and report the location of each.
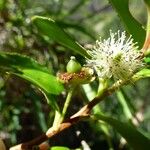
(116, 57)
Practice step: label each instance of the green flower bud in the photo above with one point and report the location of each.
(73, 65)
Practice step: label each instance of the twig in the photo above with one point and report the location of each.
(83, 113)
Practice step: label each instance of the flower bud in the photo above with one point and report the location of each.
(73, 65)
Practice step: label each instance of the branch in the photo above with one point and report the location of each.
(83, 113)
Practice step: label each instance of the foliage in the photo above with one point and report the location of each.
(36, 42)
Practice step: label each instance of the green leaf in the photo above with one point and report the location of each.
(59, 148)
(42, 79)
(147, 60)
(144, 73)
(32, 71)
(132, 25)
(50, 28)
(133, 136)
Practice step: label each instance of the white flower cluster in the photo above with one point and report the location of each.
(116, 57)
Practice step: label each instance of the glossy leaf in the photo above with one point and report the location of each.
(50, 28)
(32, 71)
(133, 136)
(132, 25)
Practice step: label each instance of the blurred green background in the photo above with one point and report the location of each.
(24, 113)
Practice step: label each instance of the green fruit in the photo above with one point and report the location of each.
(73, 65)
